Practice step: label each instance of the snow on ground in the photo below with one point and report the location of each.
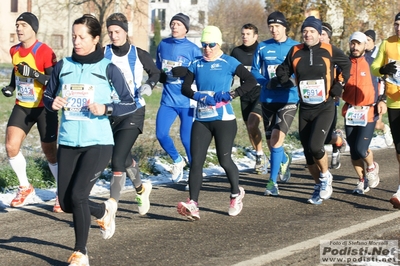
(164, 178)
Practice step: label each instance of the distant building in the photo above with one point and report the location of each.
(164, 10)
(56, 18)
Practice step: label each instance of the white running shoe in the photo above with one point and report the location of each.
(315, 198)
(78, 259)
(388, 136)
(373, 176)
(143, 200)
(326, 187)
(107, 222)
(362, 187)
(177, 171)
(189, 209)
(236, 204)
(284, 171)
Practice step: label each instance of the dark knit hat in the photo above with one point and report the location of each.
(397, 17)
(327, 28)
(371, 34)
(277, 17)
(313, 22)
(31, 19)
(182, 18)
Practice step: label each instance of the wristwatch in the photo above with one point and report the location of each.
(109, 110)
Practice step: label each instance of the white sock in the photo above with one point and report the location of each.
(54, 170)
(324, 175)
(18, 164)
(260, 153)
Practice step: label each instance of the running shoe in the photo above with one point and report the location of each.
(362, 187)
(177, 171)
(315, 198)
(24, 194)
(326, 187)
(373, 176)
(395, 200)
(107, 222)
(143, 200)
(57, 207)
(387, 134)
(284, 171)
(78, 259)
(272, 189)
(335, 161)
(189, 209)
(261, 166)
(236, 204)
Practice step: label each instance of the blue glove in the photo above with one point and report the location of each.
(204, 98)
(222, 96)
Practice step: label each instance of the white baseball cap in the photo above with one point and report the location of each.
(358, 36)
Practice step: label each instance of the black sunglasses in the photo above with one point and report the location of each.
(211, 45)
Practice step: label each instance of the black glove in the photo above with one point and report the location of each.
(273, 83)
(179, 71)
(7, 91)
(336, 90)
(25, 70)
(163, 77)
(388, 69)
(282, 73)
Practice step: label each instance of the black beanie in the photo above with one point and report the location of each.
(277, 17)
(397, 17)
(371, 34)
(182, 18)
(31, 19)
(327, 28)
(313, 22)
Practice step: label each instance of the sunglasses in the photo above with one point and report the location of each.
(211, 45)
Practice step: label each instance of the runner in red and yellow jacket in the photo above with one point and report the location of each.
(361, 113)
(33, 63)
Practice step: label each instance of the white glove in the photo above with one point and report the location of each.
(145, 89)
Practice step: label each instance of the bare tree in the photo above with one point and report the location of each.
(354, 15)
(103, 8)
(231, 15)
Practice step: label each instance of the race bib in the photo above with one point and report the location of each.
(357, 116)
(205, 111)
(25, 89)
(312, 91)
(79, 96)
(272, 71)
(167, 65)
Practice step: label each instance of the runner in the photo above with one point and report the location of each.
(250, 102)
(361, 109)
(173, 52)
(132, 61)
(86, 139)
(279, 105)
(313, 64)
(34, 62)
(214, 118)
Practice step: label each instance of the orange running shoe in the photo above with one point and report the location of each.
(23, 194)
(57, 207)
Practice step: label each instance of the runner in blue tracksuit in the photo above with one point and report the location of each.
(279, 104)
(171, 53)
